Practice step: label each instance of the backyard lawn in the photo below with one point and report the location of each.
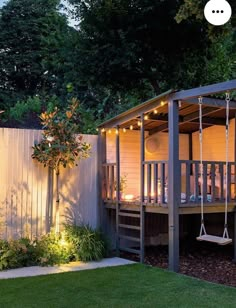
(126, 286)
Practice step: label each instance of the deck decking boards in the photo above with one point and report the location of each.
(184, 209)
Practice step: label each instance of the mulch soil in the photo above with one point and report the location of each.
(206, 261)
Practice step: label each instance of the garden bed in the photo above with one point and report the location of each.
(202, 260)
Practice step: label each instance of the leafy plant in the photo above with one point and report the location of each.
(22, 109)
(52, 249)
(17, 253)
(60, 147)
(123, 183)
(87, 244)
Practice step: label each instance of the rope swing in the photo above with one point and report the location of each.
(203, 236)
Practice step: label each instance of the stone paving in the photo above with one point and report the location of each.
(71, 267)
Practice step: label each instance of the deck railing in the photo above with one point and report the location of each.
(156, 182)
(109, 181)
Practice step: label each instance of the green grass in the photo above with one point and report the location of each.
(125, 286)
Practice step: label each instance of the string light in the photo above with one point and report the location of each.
(131, 127)
(124, 130)
(146, 117)
(162, 103)
(109, 132)
(155, 111)
(103, 130)
(139, 123)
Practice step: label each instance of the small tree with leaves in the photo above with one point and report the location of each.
(60, 145)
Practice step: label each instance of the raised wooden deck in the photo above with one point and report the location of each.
(163, 209)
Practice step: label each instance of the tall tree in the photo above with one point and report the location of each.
(124, 44)
(31, 34)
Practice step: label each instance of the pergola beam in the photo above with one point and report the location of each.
(195, 115)
(214, 102)
(205, 90)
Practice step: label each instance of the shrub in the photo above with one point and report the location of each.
(17, 253)
(87, 244)
(80, 243)
(51, 249)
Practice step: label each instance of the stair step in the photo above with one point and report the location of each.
(129, 227)
(129, 214)
(129, 238)
(136, 251)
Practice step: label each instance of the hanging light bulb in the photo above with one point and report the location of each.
(124, 130)
(146, 117)
(103, 130)
(97, 129)
(117, 131)
(109, 132)
(162, 103)
(155, 111)
(131, 127)
(139, 123)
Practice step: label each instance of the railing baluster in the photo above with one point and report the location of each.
(204, 182)
(162, 183)
(229, 182)
(196, 184)
(213, 184)
(221, 171)
(155, 188)
(188, 171)
(112, 178)
(149, 177)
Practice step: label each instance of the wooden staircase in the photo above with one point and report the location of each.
(129, 232)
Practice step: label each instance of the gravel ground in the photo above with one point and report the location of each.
(202, 260)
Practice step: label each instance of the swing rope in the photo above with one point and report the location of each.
(227, 99)
(203, 229)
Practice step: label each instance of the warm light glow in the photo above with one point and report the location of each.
(129, 197)
(63, 241)
(155, 111)
(131, 127)
(162, 103)
(109, 132)
(97, 129)
(103, 130)
(139, 123)
(124, 130)
(117, 131)
(146, 117)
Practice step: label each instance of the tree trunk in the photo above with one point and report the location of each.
(57, 220)
(155, 86)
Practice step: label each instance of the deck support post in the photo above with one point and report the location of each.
(234, 188)
(102, 221)
(174, 179)
(234, 243)
(117, 187)
(142, 215)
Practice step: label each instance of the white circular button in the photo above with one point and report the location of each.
(217, 12)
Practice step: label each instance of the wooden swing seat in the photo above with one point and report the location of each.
(214, 239)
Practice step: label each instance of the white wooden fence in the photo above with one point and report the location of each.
(25, 187)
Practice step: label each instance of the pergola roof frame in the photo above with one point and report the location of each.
(186, 96)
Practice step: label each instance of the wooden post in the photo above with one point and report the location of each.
(234, 236)
(173, 185)
(235, 157)
(101, 193)
(235, 187)
(142, 215)
(117, 187)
